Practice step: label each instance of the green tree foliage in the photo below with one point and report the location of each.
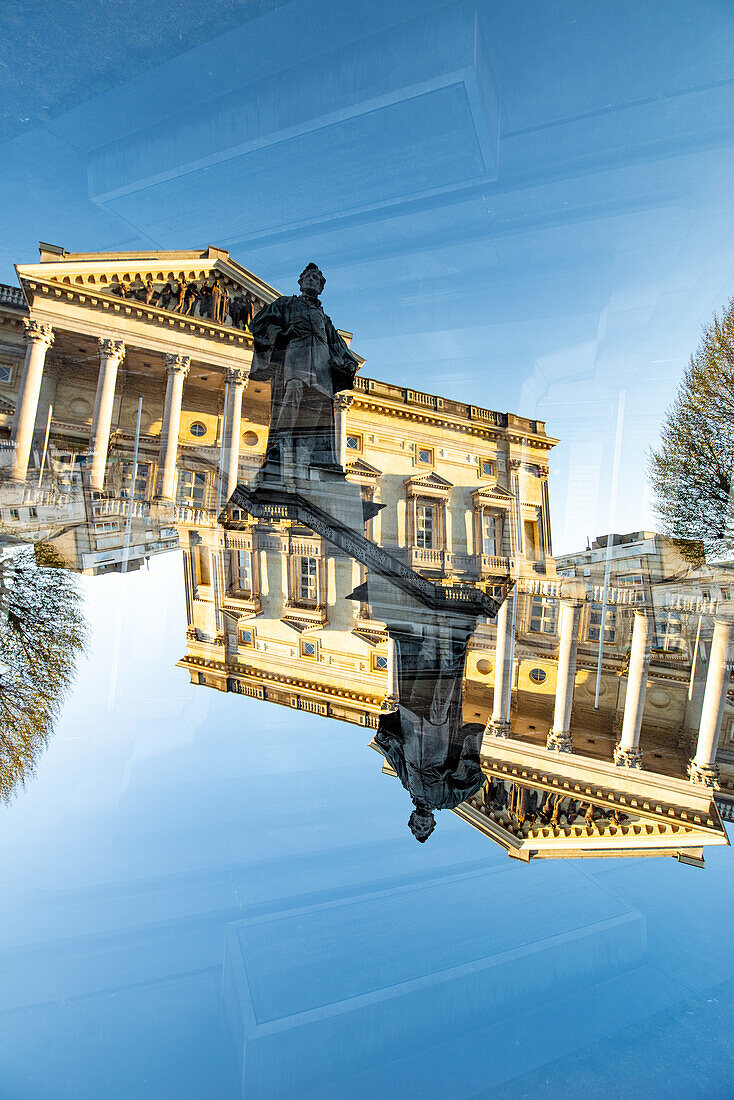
(692, 470)
(42, 631)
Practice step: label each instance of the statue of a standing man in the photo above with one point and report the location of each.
(298, 350)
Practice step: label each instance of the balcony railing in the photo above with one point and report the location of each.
(12, 296)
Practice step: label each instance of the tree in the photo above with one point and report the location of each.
(42, 631)
(692, 471)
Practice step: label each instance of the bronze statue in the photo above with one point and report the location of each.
(224, 304)
(192, 296)
(215, 297)
(205, 300)
(242, 309)
(165, 296)
(180, 295)
(435, 756)
(298, 350)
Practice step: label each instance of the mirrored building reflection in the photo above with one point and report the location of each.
(132, 425)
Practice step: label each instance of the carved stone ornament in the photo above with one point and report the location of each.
(559, 741)
(111, 349)
(35, 332)
(236, 375)
(705, 774)
(343, 400)
(627, 758)
(177, 364)
(498, 728)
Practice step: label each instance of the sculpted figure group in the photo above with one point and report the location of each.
(190, 298)
(528, 806)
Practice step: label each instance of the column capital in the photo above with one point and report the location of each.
(36, 333)
(237, 376)
(497, 727)
(559, 741)
(389, 704)
(627, 757)
(111, 349)
(343, 400)
(705, 774)
(177, 364)
(543, 473)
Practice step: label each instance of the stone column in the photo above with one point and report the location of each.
(177, 367)
(499, 723)
(40, 338)
(390, 702)
(236, 378)
(342, 402)
(559, 737)
(111, 354)
(703, 767)
(627, 752)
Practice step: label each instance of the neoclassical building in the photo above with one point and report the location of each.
(128, 419)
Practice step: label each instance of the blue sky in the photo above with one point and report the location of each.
(525, 205)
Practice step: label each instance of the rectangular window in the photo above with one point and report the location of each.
(531, 539)
(141, 480)
(610, 625)
(669, 631)
(14, 513)
(243, 571)
(308, 649)
(487, 467)
(33, 512)
(490, 542)
(424, 455)
(6, 372)
(380, 662)
(543, 613)
(725, 593)
(354, 442)
(425, 535)
(308, 587)
(629, 580)
(191, 488)
(247, 637)
(203, 567)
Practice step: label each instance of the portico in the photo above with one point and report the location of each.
(78, 298)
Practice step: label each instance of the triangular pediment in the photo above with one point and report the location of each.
(361, 468)
(372, 635)
(155, 281)
(431, 480)
(537, 804)
(492, 492)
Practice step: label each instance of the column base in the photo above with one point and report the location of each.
(627, 758)
(497, 728)
(559, 741)
(389, 704)
(706, 774)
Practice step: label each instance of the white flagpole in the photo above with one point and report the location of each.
(131, 498)
(608, 562)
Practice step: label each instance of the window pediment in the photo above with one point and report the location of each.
(495, 495)
(362, 469)
(431, 484)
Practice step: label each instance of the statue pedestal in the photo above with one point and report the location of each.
(303, 990)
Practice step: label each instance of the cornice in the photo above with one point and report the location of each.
(252, 673)
(477, 429)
